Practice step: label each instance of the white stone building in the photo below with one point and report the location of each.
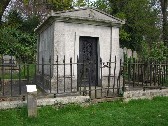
(88, 33)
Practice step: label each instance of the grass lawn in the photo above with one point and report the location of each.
(135, 113)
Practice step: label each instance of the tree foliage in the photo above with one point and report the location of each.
(157, 52)
(16, 43)
(141, 20)
(59, 5)
(102, 5)
(18, 37)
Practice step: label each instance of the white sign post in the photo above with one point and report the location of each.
(32, 100)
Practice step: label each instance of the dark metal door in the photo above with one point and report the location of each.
(88, 71)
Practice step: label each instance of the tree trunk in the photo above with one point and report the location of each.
(164, 5)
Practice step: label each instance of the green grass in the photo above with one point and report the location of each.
(135, 113)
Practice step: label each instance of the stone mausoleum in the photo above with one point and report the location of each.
(87, 33)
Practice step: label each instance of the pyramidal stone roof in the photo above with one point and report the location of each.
(87, 14)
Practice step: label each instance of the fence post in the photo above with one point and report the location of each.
(114, 74)
(78, 76)
(118, 81)
(1, 72)
(71, 71)
(123, 87)
(2, 65)
(64, 71)
(101, 66)
(0, 84)
(11, 75)
(50, 72)
(32, 100)
(109, 66)
(134, 62)
(43, 72)
(57, 73)
(90, 81)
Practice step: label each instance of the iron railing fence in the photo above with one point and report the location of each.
(14, 77)
(147, 75)
(67, 76)
(61, 78)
